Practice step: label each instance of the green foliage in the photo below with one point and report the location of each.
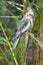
(8, 26)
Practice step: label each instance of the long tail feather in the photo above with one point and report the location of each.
(15, 44)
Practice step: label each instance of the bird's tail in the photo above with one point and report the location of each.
(17, 34)
(15, 44)
(16, 38)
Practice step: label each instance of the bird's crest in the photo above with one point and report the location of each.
(30, 11)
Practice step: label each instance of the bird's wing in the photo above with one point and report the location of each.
(24, 25)
(22, 22)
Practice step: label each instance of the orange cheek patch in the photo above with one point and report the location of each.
(28, 15)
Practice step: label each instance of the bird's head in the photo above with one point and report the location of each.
(30, 12)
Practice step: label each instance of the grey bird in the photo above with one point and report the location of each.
(25, 24)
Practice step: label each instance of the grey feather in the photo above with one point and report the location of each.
(15, 44)
(21, 27)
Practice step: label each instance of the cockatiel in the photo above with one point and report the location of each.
(25, 24)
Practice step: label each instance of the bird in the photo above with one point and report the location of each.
(25, 24)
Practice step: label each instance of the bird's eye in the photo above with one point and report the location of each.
(29, 15)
